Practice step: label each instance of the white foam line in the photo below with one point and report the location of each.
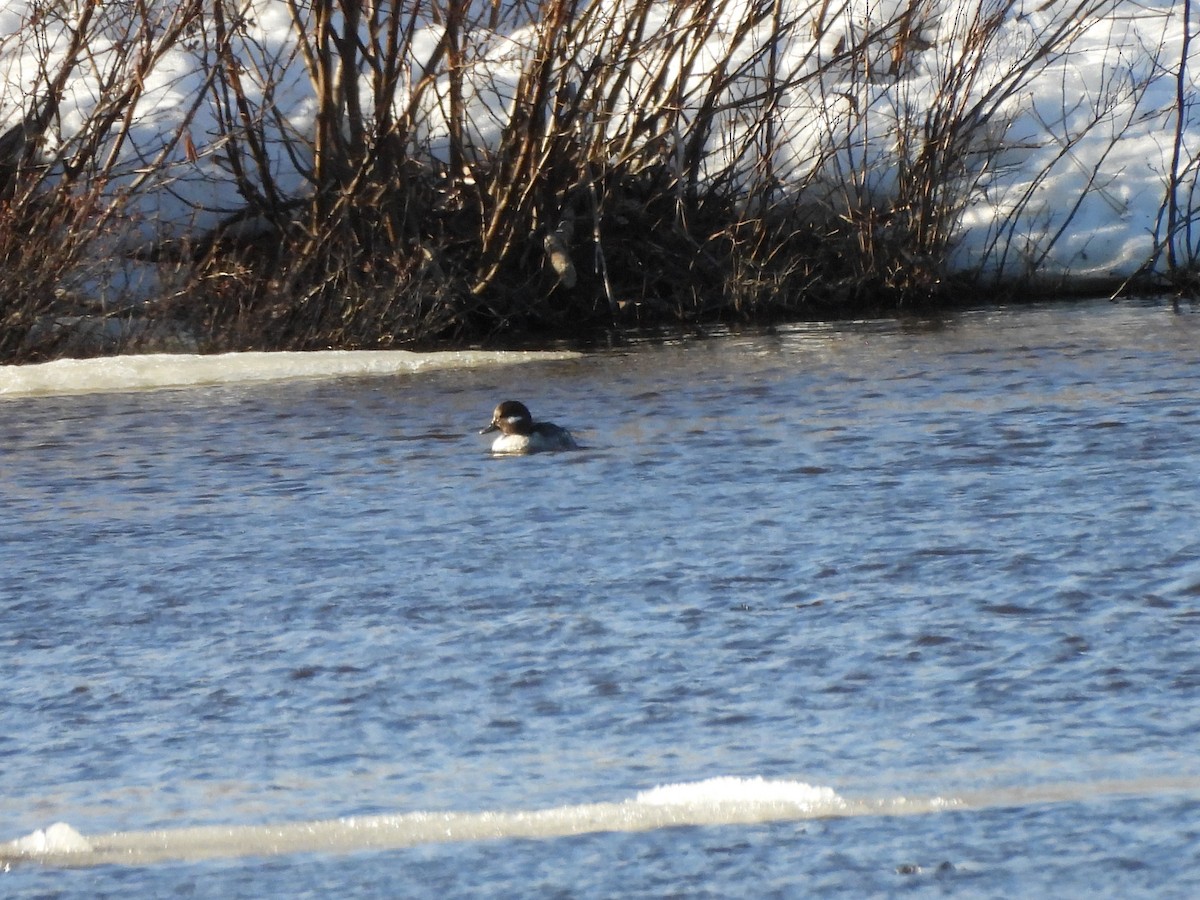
(174, 370)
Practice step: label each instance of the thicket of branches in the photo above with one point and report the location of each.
(461, 169)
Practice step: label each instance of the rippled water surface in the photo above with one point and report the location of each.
(929, 557)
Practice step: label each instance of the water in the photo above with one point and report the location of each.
(948, 569)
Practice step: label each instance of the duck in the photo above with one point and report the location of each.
(520, 434)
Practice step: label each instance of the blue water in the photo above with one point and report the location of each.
(920, 557)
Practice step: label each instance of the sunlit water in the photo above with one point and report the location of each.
(946, 573)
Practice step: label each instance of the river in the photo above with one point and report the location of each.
(877, 607)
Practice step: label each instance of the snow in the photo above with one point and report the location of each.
(733, 790)
(1070, 178)
(55, 839)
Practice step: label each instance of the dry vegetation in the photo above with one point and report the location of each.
(603, 168)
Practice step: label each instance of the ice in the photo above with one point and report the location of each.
(171, 370)
(728, 790)
(55, 839)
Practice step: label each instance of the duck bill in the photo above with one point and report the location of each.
(490, 429)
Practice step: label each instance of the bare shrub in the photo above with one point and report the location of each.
(1181, 206)
(446, 168)
(58, 211)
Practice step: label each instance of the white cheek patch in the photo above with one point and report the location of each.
(512, 420)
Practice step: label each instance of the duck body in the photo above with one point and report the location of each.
(520, 434)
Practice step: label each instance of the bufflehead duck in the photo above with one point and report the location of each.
(522, 434)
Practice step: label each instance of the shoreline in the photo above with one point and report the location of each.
(145, 330)
(124, 336)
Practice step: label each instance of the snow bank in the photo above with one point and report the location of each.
(1067, 172)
